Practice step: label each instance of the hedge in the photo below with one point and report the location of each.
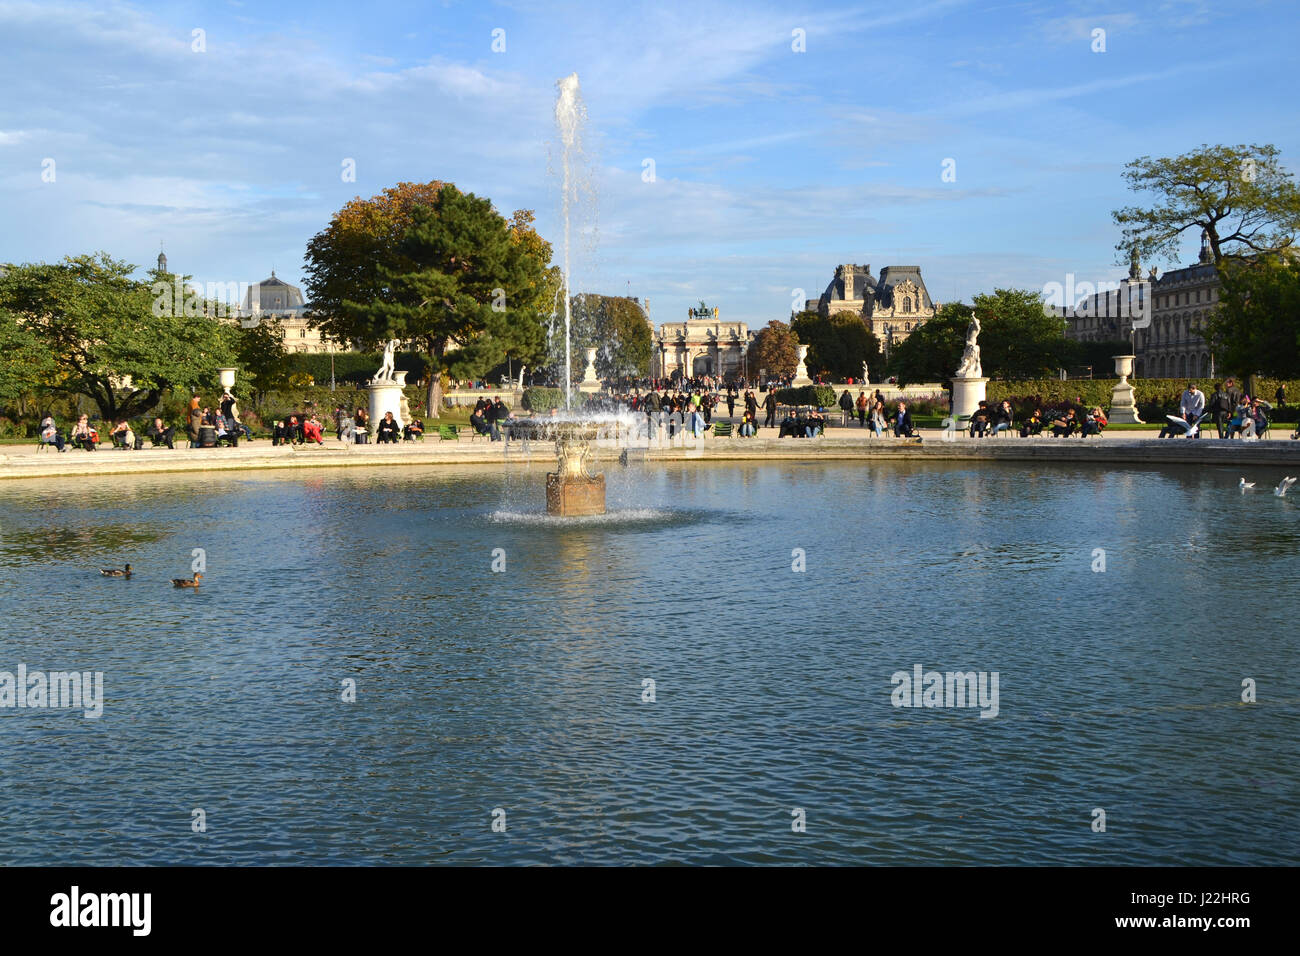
(355, 368)
(541, 399)
(1155, 397)
(823, 396)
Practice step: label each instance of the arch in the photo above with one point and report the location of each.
(1205, 365)
(907, 303)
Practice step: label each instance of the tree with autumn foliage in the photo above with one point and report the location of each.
(439, 269)
(775, 350)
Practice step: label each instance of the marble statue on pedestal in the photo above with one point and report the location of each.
(970, 358)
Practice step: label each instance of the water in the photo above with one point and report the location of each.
(570, 113)
(522, 690)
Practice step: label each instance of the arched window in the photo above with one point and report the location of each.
(907, 303)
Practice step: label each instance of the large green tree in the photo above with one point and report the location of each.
(440, 269)
(1018, 339)
(1241, 196)
(25, 363)
(616, 327)
(1256, 326)
(105, 336)
(774, 351)
(837, 345)
(933, 350)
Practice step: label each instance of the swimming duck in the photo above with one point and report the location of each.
(116, 572)
(187, 582)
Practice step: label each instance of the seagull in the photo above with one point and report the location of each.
(1281, 489)
(1245, 485)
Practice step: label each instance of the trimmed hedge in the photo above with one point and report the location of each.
(353, 368)
(823, 396)
(540, 399)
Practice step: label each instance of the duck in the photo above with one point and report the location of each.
(116, 572)
(187, 582)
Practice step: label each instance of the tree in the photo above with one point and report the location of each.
(105, 337)
(25, 364)
(616, 327)
(933, 350)
(1239, 195)
(262, 355)
(391, 267)
(838, 345)
(1256, 327)
(1018, 339)
(774, 350)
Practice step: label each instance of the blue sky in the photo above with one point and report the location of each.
(771, 166)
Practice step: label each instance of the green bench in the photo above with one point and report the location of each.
(722, 429)
(449, 433)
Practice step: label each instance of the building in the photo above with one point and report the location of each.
(1177, 304)
(891, 306)
(702, 345)
(1174, 346)
(277, 301)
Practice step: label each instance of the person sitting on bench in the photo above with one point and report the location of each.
(1033, 425)
(1000, 419)
(83, 436)
(160, 434)
(123, 436)
(50, 432)
(387, 430)
(815, 424)
(1066, 425)
(903, 422)
(413, 430)
(979, 420)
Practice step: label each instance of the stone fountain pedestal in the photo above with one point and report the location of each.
(801, 370)
(572, 491)
(386, 396)
(967, 393)
(1123, 409)
(590, 383)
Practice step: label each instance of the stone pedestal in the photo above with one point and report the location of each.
(967, 393)
(570, 496)
(801, 370)
(1123, 409)
(589, 383)
(385, 397)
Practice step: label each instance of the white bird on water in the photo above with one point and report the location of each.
(1281, 489)
(1245, 485)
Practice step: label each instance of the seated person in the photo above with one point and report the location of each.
(1094, 422)
(123, 436)
(413, 430)
(1000, 418)
(748, 424)
(50, 433)
(979, 421)
(83, 436)
(1033, 425)
(160, 434)
(312, 430)
(1065, 425)
(478, 421)
(815, 424)
(903, 422)
(1258, 420)
(387, 431)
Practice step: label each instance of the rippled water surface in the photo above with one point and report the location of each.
(523, 690)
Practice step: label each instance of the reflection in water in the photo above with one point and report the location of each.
(524, 689)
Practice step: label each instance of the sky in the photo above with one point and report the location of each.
(734, 153)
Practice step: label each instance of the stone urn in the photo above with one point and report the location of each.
(226, 376)
(1123, 408)
(801, 370)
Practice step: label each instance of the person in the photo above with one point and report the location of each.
(749, 424)
(860, 406)
(340, 416)
(1218, 407)
(229, 410)
(1243, 422)
(478, 418)
(83, 436)
(878, 418)
(499, 414)
(903, 422)
(123, 436)
(1094, 422)
(816, 423)
(1232, 392)
(387, 430)
(312, 429)
(979, 420)
(1259, 420)
(1064, 426)
(50, 433)
(361, 426)
(1033, 425)
(731, 401)
(160, 434)
(769, 405)
(1192, 404)
(1000, 418)
(846, 407)
(1280, 394)
(751, 406)
(195, 420)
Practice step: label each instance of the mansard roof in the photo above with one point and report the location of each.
(891, 276)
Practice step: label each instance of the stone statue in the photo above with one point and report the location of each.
(866, 376)
(970, 358)
(385, 373)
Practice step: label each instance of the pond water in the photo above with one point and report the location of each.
(772, 736)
